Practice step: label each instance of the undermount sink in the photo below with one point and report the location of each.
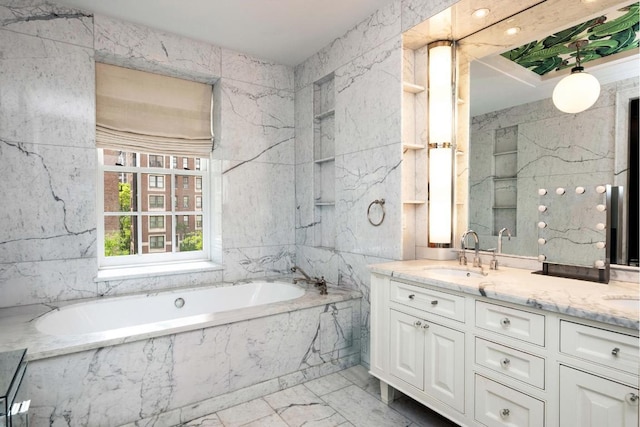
(454, 272)
(623, 302)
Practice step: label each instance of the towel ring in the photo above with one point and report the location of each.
(376, 202)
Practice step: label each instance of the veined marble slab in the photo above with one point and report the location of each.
(582, 299)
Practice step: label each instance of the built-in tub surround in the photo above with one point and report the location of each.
(176, 370)
(616, 303)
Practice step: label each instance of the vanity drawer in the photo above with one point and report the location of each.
(514, 363)
(615, 350)
(428, 300)
(510, 322)
(497, 405)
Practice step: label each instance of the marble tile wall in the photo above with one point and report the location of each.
(48, 248)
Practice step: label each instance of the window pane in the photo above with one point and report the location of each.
(155, 182)
(156, 243)
(185, 182)
(156, 202)
(185, 163)
(155, 161)
(119, 235)
(156, 222)
(188, 234)
(199, 202)
(119, 192)
(119, 158)
(185, 202)
(198, 183)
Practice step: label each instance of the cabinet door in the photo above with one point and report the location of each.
(406, 348)
(444, 365)
(590, 401)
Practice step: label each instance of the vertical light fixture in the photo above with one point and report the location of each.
(441, 125)
(579, 90)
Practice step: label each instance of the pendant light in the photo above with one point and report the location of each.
(579, 90)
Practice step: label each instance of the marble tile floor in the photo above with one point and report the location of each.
(349, 398)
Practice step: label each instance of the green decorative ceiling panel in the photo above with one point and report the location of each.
(607, 35)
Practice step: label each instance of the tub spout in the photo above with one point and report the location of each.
(320, 283)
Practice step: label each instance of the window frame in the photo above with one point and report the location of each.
(141, 259)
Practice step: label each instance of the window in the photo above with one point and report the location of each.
(198, 183)
(156, 161)
(198, 202)
(136, 225)
(156, 242)
(156, 181)
(197, 164)
(198, 221)
(156, 202)
(156, 222)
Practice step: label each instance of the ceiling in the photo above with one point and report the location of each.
(283, 31)
(290, 31)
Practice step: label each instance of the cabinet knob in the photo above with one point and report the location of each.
(434, 302)
(632, 398)
(505, 322)
(412, 296)
(504, 413)
(417, 323)
(425, 326)
(505, 362)
(615, 351)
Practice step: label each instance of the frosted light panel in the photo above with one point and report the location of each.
(440, 95)
(440, 170)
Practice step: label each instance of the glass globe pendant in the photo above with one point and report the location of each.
(577, 91)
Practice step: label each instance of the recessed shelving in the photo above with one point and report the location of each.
(412, 88)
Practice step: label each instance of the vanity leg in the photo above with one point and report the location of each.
(387, 393)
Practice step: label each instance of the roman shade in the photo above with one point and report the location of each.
(137, 111)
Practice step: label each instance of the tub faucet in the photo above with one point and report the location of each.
(320, 283)
(462, 258)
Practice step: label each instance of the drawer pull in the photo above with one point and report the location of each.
(412, 296)
(434, 302)
(417, 323)
(425, 326)
(505, 363)
(632, 398)
(504, 413)
(505, 322)
(615, 351)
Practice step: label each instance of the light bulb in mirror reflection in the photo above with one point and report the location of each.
(560, 191)
(542, 208)
(542, 241)
(541, 258)
(542, 224)
(542, 192)
(600, 226)
(601, 208)
(579, 190)
(599, 264)
(600, 245)
(601, 189)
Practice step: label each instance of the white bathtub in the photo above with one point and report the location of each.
(118, 315)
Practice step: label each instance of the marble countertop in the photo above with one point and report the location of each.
(615, 303)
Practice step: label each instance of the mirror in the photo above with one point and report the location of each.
(519, 142)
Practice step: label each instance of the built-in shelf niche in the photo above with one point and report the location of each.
(505, 181)
(414, 152)
(324, 161)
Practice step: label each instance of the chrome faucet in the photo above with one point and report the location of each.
(500, 238)
(462, 258)
(320, 283)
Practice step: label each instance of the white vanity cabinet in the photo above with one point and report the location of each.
(483, 362)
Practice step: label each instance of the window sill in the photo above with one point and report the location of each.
(119, 273)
